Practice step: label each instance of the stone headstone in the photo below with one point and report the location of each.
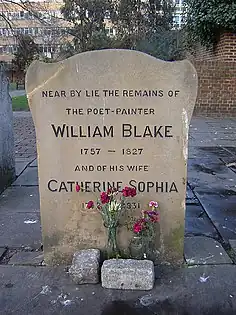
(7, 153)
(110, 118)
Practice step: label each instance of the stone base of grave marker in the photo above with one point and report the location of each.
(7, 156)
(111, 118)
(128, 274)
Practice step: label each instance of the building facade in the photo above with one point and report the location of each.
(178, 15)
(44, 22)
(41, 20)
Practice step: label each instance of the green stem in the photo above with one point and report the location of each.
(112, 242)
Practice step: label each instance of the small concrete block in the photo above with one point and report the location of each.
(85, 266)
(128, 274)
(2, 251)
(27, 258)
(200, 250)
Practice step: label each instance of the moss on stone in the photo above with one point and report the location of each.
(174, 243)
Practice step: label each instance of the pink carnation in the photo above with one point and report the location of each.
(153, 204)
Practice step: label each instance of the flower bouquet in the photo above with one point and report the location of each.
(111, 206)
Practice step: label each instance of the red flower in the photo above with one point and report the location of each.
(129, 192)
(133, 192)
(104, 198)
(125, 192)
(90, 204)
(139, 226)
(154, 216)
(77, 187)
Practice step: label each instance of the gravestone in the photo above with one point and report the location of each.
(7, 153)
(110, 118)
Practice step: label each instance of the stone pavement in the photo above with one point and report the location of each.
(207, 282)
(17, 93)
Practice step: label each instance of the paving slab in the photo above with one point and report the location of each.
(194, 211)
(20, 167)
(20, 199)
(190, 197)
(233, 244)
(220, 206)
(231, 149)
(204, 251)
(28, 178)
(205, 290)
(230, 162)
(197, 222)
(214, 152)
(20, 230)
(2, 251)
(43, 290)
(210, 175)
(200, 227)
(192, 201)
(27, 258)
(34, 163)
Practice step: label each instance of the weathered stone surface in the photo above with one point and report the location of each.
(190, 198)
(194, 211)
(34, 163)
(220, 205)
(20, 230)
(20, 199)
(85, 266)
(85, 110)
(200, 227)
(37, 291)
(28, 178)
(204, 251)
(2, 251)
(27, 258)
(20, 166)
(128, 274)
(197, 222)
(233, 245)
(7, 156)
(209, 174)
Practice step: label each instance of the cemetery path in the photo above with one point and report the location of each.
(28, 287)
(17, 93)
(206, 290)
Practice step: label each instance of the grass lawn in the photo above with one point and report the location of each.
(20, 103)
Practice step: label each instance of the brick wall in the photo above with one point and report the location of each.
(217, 78)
